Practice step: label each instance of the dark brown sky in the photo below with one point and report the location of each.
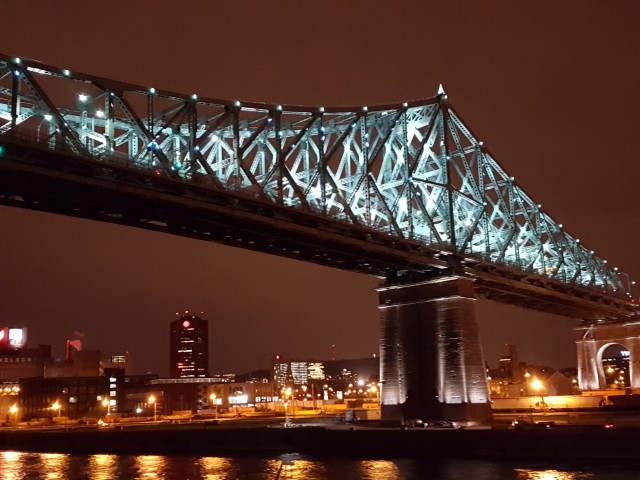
(552, 88)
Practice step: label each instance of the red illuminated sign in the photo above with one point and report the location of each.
(186, 324)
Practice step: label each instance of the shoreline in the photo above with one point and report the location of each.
(561, 444)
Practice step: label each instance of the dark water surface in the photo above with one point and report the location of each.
(19, 465)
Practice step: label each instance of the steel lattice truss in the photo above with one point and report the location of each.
(413, 170)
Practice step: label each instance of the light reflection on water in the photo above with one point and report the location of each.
(526, 474)
(11, 465)
(150, 466)
(103, 467)
(32, 466)
(55, 465)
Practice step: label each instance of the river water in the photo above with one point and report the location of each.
(23, 466)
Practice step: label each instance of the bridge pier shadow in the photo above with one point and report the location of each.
(431, 361)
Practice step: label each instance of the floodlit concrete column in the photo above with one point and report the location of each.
(431, 362)
(633, 345)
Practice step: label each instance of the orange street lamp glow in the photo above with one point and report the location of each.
(152, 400)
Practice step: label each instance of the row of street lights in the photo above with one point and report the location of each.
(215, 401)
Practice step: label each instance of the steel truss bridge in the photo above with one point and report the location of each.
(403, 191)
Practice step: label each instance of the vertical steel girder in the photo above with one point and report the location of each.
(413, 170)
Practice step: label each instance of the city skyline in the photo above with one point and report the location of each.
(79, 345)
(554, 105)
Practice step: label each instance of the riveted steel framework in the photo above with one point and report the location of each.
(412, 170)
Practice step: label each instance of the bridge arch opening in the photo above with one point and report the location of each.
(613, 360)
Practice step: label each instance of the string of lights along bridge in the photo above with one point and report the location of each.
(412, 171)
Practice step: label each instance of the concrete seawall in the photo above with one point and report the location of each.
(560, 443)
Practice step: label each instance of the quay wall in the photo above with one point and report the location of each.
(556, 443)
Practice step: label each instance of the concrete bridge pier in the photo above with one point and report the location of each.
(431, 361)
(593, 339)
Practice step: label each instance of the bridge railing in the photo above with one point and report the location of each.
(413, 170)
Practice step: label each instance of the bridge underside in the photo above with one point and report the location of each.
(66, 184)
(72, 186)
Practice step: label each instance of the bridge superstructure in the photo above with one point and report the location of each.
(402, 191)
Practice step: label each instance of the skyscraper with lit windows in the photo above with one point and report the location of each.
(189, 344)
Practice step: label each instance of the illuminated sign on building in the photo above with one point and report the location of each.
(13, 359)
(17, 337)
(12, 338)
(238, 399)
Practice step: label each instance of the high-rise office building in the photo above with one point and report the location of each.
(189, 344)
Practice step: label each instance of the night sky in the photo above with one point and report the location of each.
(552, 88)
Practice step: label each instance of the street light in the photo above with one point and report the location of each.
(58, 407)
(291, 395)
(215, 403)
(152, 400)
(537, 386)
(287, 394)
(106, 404)
(14, 410)
(375, 390)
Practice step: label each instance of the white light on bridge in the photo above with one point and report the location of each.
(48, 117)
(99, 114)
(83, 98)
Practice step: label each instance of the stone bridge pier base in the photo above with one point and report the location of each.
(431, 362)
